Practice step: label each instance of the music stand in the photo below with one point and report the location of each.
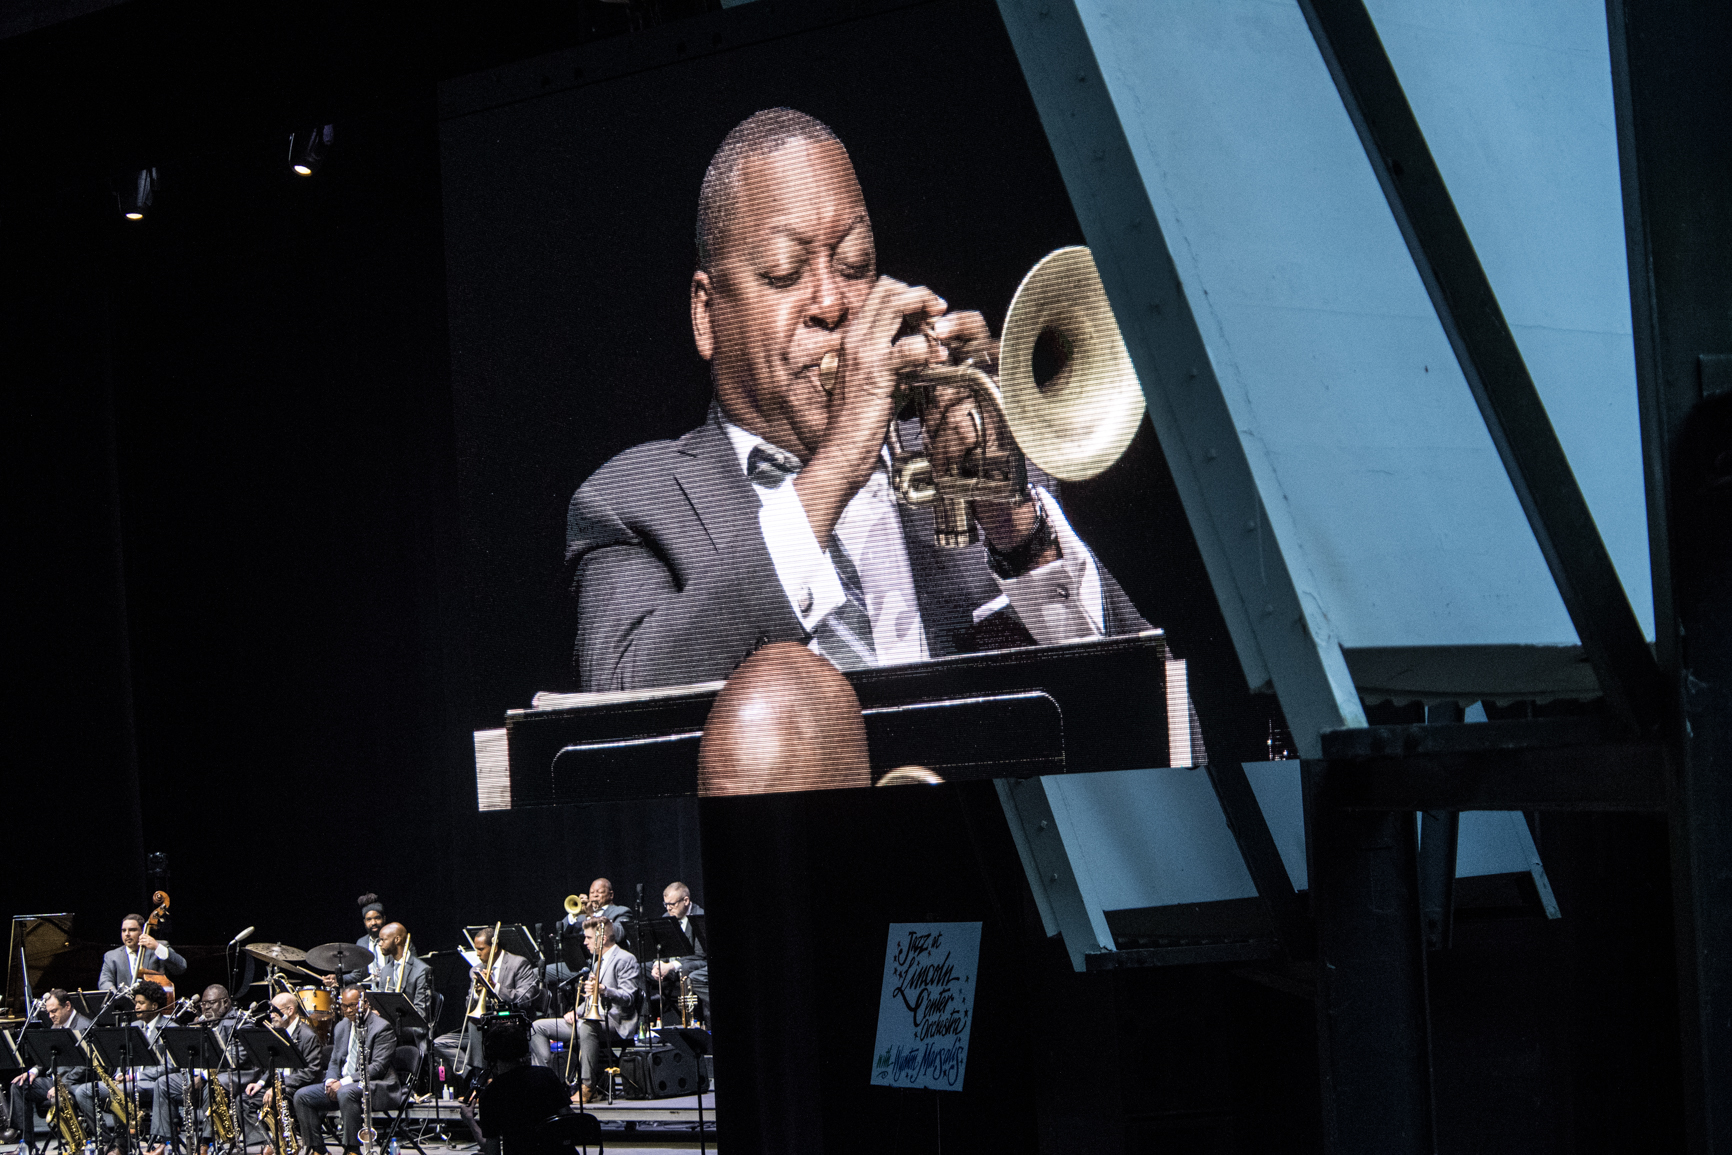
(669, 940)
(395, 1008)
(270, 1050)
(515, 937)
(48, 1048)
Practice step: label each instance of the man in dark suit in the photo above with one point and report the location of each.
(138, 952)
(287, 1019)
(217, 1011)
(775, 519)
(695, 967)
(362, 1047)
(35, 1087)
(396, 969)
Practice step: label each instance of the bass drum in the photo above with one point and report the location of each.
(319, 1006)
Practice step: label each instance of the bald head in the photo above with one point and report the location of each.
(286, 1005)
(786, 720)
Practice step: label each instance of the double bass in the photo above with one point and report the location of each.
(160, 899)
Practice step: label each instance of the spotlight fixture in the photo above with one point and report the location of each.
(307, 150)
(135, 192)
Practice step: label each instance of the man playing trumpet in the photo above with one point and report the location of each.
(609, 1001)
(776, 519)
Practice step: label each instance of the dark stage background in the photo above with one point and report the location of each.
(247, 621)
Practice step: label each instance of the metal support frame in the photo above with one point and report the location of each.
(1468, 309)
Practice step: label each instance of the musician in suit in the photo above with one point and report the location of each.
(695, 967)
(362, 1047)
(287, 1019)
(775, 519)
(512, 984)
(35, 1087)
(598, 901)
(149, 1016)
(217, 1011)
(617, 982)
(395, 967)
(138, 952)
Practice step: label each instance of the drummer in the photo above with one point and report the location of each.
(373, 918)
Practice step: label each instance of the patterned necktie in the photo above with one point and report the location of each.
(845, 634)
(353, 1067)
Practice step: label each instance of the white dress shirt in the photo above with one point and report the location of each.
(1058, 602)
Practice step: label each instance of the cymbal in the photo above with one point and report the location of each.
(338, 956)
(276, 952)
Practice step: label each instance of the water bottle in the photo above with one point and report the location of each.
(393, 1147)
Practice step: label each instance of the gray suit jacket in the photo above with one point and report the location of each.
(117, 969)
(674, 583)
(515, 979)
(621, 990)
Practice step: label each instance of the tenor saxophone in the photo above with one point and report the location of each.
(118, 1104)
(222, 1118)
(281, 1121)
(63, 1116)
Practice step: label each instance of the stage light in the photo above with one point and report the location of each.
(307, 150)
(135, 192)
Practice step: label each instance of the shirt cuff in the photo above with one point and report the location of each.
(1061, 600)
(161, 951)
(803, 567)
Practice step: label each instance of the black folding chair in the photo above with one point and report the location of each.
(408, 1059)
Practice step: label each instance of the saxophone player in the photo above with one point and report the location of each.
(35, 1087)
(217, 1011)
(286, 1017)
(362, 1047)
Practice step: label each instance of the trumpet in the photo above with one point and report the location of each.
(1065, 389)
(577, 905)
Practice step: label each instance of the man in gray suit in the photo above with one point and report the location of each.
(512, 979)
(775, 520)
(362, 1047)
(35, 1087)
(138, 952)
(616, 980)
(695, 967)
(599, 902)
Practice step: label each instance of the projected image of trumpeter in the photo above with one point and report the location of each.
(875, 478)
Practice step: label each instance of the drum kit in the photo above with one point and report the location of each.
(318, 1001)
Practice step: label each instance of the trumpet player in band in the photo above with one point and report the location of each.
(776, 519)
(610, 999)
(597, 900)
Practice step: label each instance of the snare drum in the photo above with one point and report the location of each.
(317, 1003)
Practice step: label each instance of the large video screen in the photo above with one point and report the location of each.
(733, 378)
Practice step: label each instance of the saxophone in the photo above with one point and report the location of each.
(118, 1104)
(280, 1122)
(63, 1116)
(222, 1118)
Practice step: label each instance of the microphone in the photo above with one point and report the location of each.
(241, 937)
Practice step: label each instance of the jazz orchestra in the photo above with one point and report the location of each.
(343, 1037)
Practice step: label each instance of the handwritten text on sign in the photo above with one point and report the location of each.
(927, 1005)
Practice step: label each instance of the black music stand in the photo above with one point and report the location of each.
(48, 1048)
(395, 1008)
(192, 1049)
(270, 1050)
(123, 1050)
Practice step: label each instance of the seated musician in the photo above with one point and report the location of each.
(217, 1011)
(149, 1010)
(373, 918)
(615, 988)
(597, 901)
(286, 1017)
(138, 952)
(362, 1047)
(695, 967)
(35, 1087)
(775, 519)
(396, 969)
(510, 984)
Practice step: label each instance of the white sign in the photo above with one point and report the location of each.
(927, 1005)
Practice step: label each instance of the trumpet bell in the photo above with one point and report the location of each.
(1071, 395)
(573, 904)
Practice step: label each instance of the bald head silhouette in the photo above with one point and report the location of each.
(786, 720)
